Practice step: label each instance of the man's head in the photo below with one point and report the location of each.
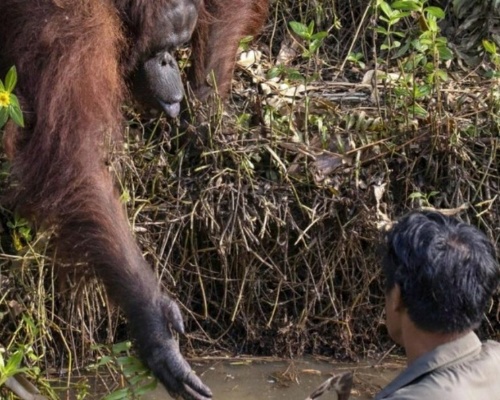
(443, 271)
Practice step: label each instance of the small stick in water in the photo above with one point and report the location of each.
(340, 385)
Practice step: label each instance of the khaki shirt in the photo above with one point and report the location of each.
(459, 370)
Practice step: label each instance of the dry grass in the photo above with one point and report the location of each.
(264, 221)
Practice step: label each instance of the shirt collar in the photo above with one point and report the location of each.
(439, 357)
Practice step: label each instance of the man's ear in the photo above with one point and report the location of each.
(398, 299)
(395, 301)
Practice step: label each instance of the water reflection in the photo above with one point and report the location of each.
(291, 380)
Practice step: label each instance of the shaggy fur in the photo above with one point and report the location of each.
(74, 59)
(227, 22)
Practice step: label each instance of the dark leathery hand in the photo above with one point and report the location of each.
(153, 330)
(173, 314)
(176, 374)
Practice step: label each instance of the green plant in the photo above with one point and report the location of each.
(421, 51)
(312, 40)
(283, 71)
(9, 104)
(11, 365)
(428, 43)
(20, 357)
(20, 231)
(245, 42)
(356, 59)
(432, 49)
(138, 377)
(391, 17)
(423, 199)
(491, 49)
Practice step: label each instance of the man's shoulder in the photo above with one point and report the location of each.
(473, 377)
(441, 387)
(491, 345)
(433, 386)
(488, 357)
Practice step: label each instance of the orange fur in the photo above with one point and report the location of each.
(73, 59)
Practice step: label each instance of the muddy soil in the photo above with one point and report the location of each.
(291, 380)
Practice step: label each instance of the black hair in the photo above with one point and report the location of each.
(446, 270)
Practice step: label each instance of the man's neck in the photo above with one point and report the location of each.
(417, 342)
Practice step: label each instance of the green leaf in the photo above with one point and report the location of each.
(397, 15)
(146, 388)
(441, 41)
(295, 75)
(4, 116)
(135, 380)
(25, 232)
(406, 5)
(386, 8)
(421, 91)
(307, 53)
(432, 23)
(382, 30)
(424, 41)
(401, 51)
(104, 360)
(2, 87)
(299, 29)
(245, 41)
(419, 111)
(124, 360)
(394, 20)
(435, 12)
(11, 80)
(274, 72)
(14, 362)
(14, 101)
(315, 45)
(118, 394)
(445, 53)
(415, 195)
(490, 47)
(320, 35)
(16, 115)
(133, 368)
(121, 347)
(442, 75)
(310, 29)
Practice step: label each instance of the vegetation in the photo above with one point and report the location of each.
(264, 220)
(9, 104)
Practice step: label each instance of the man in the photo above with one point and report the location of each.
(440, 277)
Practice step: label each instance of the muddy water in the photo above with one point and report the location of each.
(290, 380)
